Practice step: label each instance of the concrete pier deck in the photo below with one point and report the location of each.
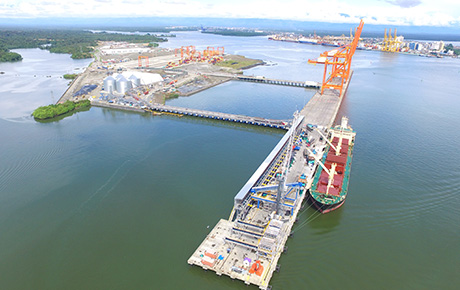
(322, 110)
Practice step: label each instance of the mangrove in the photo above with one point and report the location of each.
(52, 111)
(79, 43)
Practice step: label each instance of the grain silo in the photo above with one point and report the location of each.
(110, 84)
(135, 81)
(123, 85)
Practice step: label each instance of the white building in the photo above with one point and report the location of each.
(122, 48)
(437, 46)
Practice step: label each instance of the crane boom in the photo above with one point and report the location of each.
(319, 162)
(327, 140)
(340, 60)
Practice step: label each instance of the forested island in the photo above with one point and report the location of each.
(6, 55)
(51, 111)
(79, 43)
(70, 76)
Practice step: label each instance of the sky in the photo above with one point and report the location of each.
(386, 12)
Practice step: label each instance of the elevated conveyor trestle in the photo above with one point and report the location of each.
(278, 124)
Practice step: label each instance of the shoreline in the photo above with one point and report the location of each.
(208, 86)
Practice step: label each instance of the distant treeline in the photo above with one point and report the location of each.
(451, 47)
(80, 44)
(226, 32)
(153, 29)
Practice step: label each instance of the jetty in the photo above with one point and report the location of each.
(278, 124)
(264, 80)
(263, 214)
(248, 245)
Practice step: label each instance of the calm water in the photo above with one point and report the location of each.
(114, 200)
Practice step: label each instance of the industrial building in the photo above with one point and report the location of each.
(124, 48)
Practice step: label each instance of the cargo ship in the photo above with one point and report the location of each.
(309, 40)
(330, 183)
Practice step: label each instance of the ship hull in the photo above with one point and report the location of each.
(330, 183)
(325, 208)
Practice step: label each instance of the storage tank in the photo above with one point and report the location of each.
(110, 84)
(123, 85)
(135, 81)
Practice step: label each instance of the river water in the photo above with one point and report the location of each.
(108, 199)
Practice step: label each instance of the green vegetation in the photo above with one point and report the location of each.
(239, 62)
(51, 111)
(6, 55)
(80, 44)
(451, 47)
(227, 32)
(149, 29)
(172, 95)
(70, 76)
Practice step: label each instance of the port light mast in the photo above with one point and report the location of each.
(340, 61)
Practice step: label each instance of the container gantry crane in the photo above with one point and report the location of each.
(390, 42)
(340, 61)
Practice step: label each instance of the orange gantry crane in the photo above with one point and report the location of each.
(340, 60)
(189, 53)
(140, 58)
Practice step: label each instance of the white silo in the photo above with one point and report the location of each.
(135, 81)
(110, 84)
(123, 85)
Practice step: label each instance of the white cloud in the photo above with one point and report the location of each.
(394, 12)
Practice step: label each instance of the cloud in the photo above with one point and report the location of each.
(384, 12)
(405, 3)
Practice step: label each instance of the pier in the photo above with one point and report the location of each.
(249, 244)
(180, 111)
(264, 80)
(278, 124)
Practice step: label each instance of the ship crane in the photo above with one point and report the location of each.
(330, 172)
(327, 140)
(340, 60)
